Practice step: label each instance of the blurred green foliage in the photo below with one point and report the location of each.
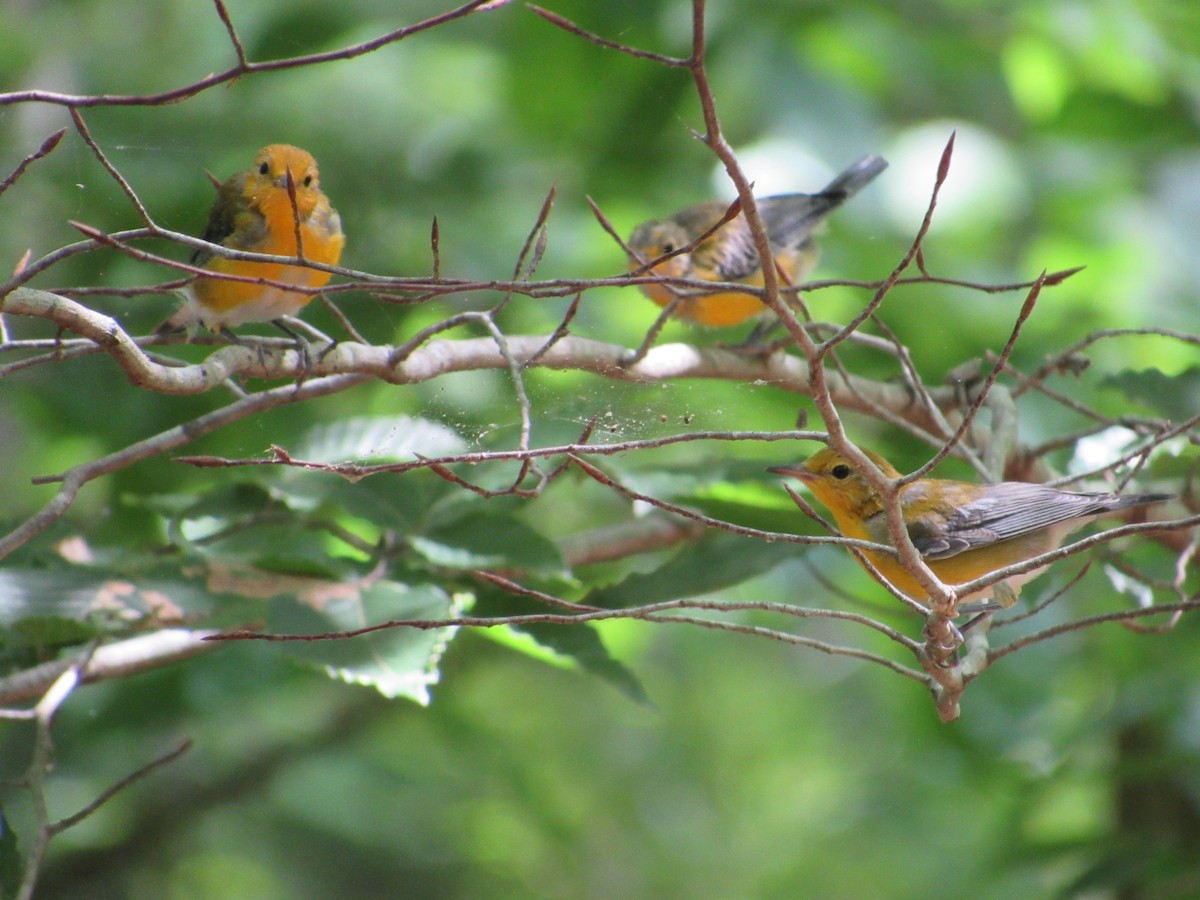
(751, 769)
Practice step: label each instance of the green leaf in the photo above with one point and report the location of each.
(12, 866)
(49, 631)
(698, 478)
(287, 548)
(226, 520)
(229, 501)
(1175, 396)
(739, 492)
(710, 565)
(209, 596)
(580, 642)
(378, 439)
(74, 593)
(398, 662)
(488, 541)
(74, 604)
(399, 502)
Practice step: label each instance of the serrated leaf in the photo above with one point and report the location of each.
(396, 501)
(710, 565)
(1174, 396)
(398, 662)
(379, 439)
(489, 542)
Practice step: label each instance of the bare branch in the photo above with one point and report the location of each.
(294, 62)
(74, 479)
(232, 32)
(115, 660)
(126, 187)
(569, 26)
(45, 149)
(1090, 621)
(356, 472)
(996, 451)
(108, 793)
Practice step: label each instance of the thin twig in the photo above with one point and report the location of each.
(175, 95)
(45, 149)
(126, 187)
(232, 32)
(112, 790)
(569, 26)
(1090, 621)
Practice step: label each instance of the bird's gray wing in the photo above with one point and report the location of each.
(1012, 509)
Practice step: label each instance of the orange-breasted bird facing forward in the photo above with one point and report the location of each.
(962, 530)
(254, 212)
(729, 255)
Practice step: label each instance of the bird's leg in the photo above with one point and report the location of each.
(227, 335)
(326, 350)
(301, 346)
(982, 616)
(762, 329)
(942, 638)
(1004, 596)
(344, 322)
(316, 334)
(630, 359)
(756, 343)
(964, 380)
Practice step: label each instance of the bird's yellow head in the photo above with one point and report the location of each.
(654, 239)
(842, 490)
(270, 174)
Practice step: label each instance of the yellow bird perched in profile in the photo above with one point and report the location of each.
(962, 530)
(729, 254)
(254, 212)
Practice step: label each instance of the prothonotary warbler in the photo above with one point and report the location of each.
(729, 254)
(962, 530)
(254, 212)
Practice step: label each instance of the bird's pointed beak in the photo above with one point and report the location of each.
(795, 470)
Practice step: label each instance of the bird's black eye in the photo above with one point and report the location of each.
(307, 180)
(840, 471)
(264, 169)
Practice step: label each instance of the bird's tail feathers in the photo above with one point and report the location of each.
(1130, 500)
(855, 177)
(183, 319)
